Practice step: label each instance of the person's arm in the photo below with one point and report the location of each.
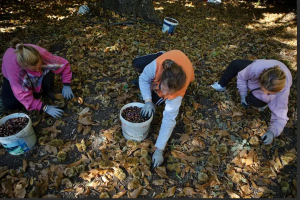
(145, 80)
(168, 122)
(242, 80)
(279, 109)
(23, 94)
(61, 65)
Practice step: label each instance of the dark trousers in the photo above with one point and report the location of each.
(140, 63)
(9, 100)
(231, 71)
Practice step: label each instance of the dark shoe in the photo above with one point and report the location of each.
(135, 82)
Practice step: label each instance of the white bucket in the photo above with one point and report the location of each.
(134, 131)
(22, 141)
(169, 26)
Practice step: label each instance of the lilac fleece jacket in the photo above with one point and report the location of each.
(247, 79)
(24, 82)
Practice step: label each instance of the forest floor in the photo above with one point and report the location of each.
(215, 149)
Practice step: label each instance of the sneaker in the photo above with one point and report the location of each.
(214, 1)
(262, 108)
(135, 82)
(218, 87)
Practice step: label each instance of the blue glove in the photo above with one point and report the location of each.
(157, 158)
(267, 138)
(54, 111)
(148, 109)
(243, 102)
(67, 92)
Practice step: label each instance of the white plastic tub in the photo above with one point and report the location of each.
(169, 26)
(22, 141)
(135, 131)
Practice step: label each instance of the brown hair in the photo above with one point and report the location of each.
(272, 79)
(26, 55)
(173, 75)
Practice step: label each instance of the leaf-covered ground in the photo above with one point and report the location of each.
(215, 149)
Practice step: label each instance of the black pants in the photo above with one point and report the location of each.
(9, 100)
(231, 71)
(140, 63)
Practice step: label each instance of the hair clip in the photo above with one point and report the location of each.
(170, 63)
(17, 47)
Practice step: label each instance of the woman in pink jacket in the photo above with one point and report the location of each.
(269, 83)
(27, 69)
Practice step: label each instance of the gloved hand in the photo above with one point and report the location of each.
(54, 111)
(148, 109)
(157, 158)
(267, 138)
(243, 101)
(67, 92)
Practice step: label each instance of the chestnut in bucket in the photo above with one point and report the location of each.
(13, 126)
(132, 114)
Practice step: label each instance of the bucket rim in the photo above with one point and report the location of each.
(172, 23)
(128, 105)
(18, 133)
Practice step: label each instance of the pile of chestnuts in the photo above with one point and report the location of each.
(132, 114)
(13, 126)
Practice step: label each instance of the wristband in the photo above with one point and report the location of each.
(45, 108)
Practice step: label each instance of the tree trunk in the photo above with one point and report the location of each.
(137, 8)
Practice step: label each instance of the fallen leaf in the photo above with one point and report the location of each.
(135, 192)
(171, 191)
(184, 138)
(144, 192)
(158, 182)
(51, 196)
(246, 189)
(85, 110)
(119, 194)
(161, 171)
(188, 191)
(222, 133)
(232, 194)
(25, 164)
(213, 150)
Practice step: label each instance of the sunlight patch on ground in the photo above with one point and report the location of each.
(57, 17)
(211, 18)
(10, 29)
(159, 8)
(189, 5)
(272, 20)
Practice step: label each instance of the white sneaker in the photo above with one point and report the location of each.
(218, 87)
(214, 1)
(262, 108)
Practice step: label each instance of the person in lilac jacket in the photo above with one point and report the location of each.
(269, 83)
(28, 69)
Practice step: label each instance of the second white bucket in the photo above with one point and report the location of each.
(169, 25)
(135, 131)
(22, 141)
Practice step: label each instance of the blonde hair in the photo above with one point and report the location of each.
(272, 79)
(173, 75)
(26, 55)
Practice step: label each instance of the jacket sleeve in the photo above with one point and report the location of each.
(64, 70)
(146, 78)
(24, 95)
(242, 80)
(279, 109)
(168, 122)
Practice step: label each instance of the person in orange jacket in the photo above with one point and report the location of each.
(164, 77)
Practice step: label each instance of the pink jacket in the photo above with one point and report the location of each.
(247, 79)
(24, 82)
